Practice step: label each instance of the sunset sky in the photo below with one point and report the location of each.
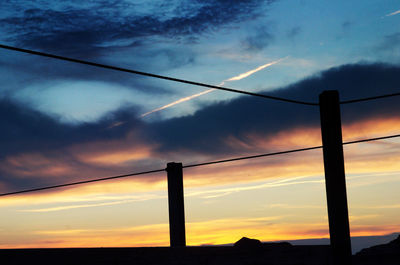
(64, 122)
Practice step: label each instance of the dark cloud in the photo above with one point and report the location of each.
(25, 130)
(390, 45)
(207, 131)
(87, 30)
(347, 25)
(293, 32)
(257, 41)
(110, 31)
(29, 137)
(31, 69)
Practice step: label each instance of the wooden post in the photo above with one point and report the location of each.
(176, 205)
(335, 181)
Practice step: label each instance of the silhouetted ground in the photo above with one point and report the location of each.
(274, 254)
(245, 252)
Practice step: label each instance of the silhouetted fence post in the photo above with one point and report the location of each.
(335, 181)
(176, 205)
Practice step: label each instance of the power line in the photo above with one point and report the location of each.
(154, 75)
(287, 152)
(195, 165)
(251, 157)
(369, 98)
(372, 139)
(110, 67)
(81, 182)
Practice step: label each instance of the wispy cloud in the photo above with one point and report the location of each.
(106, 201)
(271, 184)
(293, 206)
(69, 207)
(386, 206)
(393, 13)
(234, 78)
(88, 28)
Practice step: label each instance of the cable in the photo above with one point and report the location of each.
(80, 182)
(185, 81)
(154, 75)
(251, 157)
(372, 139)
(287, 152)
(196, 165)
(369, 98)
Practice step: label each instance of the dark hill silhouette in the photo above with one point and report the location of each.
(385, 254)
(248, 243)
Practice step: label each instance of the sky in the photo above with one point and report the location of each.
(64, 122)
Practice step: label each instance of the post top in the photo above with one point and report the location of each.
(173, 164)
(329, 94)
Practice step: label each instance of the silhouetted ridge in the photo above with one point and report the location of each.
(385, 254)
(393, 247)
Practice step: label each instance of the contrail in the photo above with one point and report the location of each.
(394, 13)
(178, 101)
(235, 78)
(244, 75)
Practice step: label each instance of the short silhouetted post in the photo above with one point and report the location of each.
(335, 181)
(176, 205)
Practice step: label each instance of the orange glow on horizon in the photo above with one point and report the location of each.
(211, 232)
(211, 184)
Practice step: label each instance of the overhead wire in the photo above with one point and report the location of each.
(191, 83)
(110, 67)
(81, 182)
(287, 152)
(369, 98)
(194, 165)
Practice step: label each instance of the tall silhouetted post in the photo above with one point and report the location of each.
(176, 205)
(335, 181)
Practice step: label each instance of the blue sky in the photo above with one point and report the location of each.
(65, 122)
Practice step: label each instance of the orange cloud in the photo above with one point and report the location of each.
(113, 152)
(147, 235)
(34, 164)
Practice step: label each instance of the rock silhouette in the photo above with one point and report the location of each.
(248, 243)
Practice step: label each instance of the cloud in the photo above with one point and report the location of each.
(347, 25)
(88, 28)
(293, 32)
(213, 193)
(207, 130)
(110, 31)
(259, 40)
(26, 129)
(390, 46)
(40, 150)
(106, 201)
